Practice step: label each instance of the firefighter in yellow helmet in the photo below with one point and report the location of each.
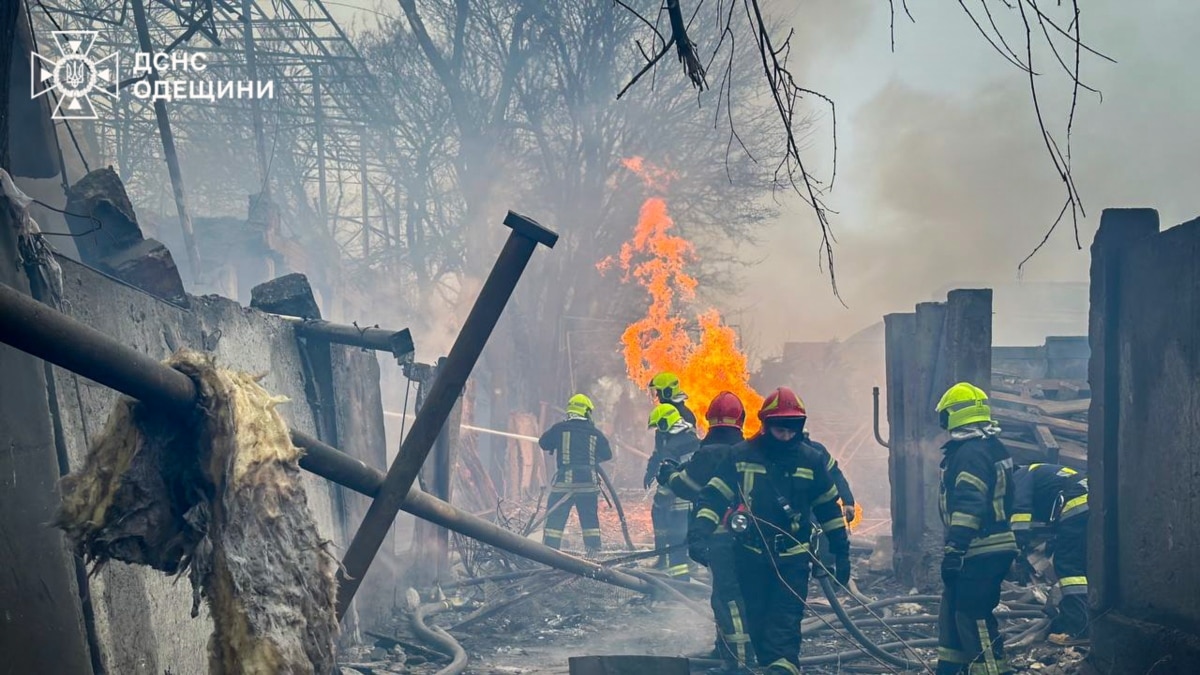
(578, 447)
(667, 389)
(675, 441)
(976, 500)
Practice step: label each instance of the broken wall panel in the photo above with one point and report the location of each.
(359, 410)
(927, 352)
(143, 617)
(1144, 422)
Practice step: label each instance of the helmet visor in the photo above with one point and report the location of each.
(791, 423)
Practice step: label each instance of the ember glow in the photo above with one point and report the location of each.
(656, 259)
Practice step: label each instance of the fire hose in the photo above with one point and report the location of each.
(439, 637)
(872, 648)
(616, 505)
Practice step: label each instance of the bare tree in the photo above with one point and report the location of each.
(526, 115)
(672, 27)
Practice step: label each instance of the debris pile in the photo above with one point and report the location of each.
(220, 497)
(1043, 420)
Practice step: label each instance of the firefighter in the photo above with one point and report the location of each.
(725, 416)
(976, 498)
(667, 389)
(675, 441)
(1054, 500)
(765, 494)
(578, 447)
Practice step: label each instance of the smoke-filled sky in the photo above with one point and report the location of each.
(943, 178)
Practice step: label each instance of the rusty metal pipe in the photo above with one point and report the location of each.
(875, 428)
(398, 343)
(52, 336)
(448, 384)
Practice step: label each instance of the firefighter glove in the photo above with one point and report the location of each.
(952, 564)
(698, 551)
(668, 467)
(841, 568)
(648, 480)
(848, 512)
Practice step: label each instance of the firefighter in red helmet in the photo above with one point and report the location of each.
(725, 416)
(765, 494)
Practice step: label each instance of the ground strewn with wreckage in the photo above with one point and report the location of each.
(533, 620)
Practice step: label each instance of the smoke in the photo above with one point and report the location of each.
(944, 179)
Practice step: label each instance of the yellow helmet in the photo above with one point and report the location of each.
(666, 385)
(961, 405)
(580, 405)
(663, 417)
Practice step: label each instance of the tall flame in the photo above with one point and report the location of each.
(659, 341)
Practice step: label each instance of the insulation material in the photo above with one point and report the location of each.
(221, 498)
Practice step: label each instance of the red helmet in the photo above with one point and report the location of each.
(726, 410)
(783, 407)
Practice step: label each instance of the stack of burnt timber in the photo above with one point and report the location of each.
(1044, 420)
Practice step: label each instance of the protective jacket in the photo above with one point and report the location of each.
(835, 472)
(690, 478)
(1047, 492)
(578, 446)
(976, 496)
(1056, 497)
(677, 446)
(780, 484)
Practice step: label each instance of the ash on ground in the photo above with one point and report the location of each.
(532, 625)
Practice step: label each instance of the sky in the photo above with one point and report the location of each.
(943, 178)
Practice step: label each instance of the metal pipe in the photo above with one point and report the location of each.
(53, 336)
(451, 378)
(325, 460)
(48, 334)
(398, 343)
(878, 436)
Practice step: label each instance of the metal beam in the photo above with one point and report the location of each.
(451, 377)
(168, 143)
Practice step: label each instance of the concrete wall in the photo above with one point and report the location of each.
(927, 352)
(42, 625)
(142, 618)
(1144, 449)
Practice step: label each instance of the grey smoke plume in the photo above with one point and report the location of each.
(943, 177)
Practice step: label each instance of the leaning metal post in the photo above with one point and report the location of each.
(48, 334)
(450, 380)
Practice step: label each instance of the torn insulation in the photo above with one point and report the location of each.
(220, 497)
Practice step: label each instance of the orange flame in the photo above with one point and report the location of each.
(659, 341)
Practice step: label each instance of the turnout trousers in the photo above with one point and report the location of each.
(584, 503)
(775, 589)
(1070, 565)
(729, 609)
(969, 639)
(669, 514)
